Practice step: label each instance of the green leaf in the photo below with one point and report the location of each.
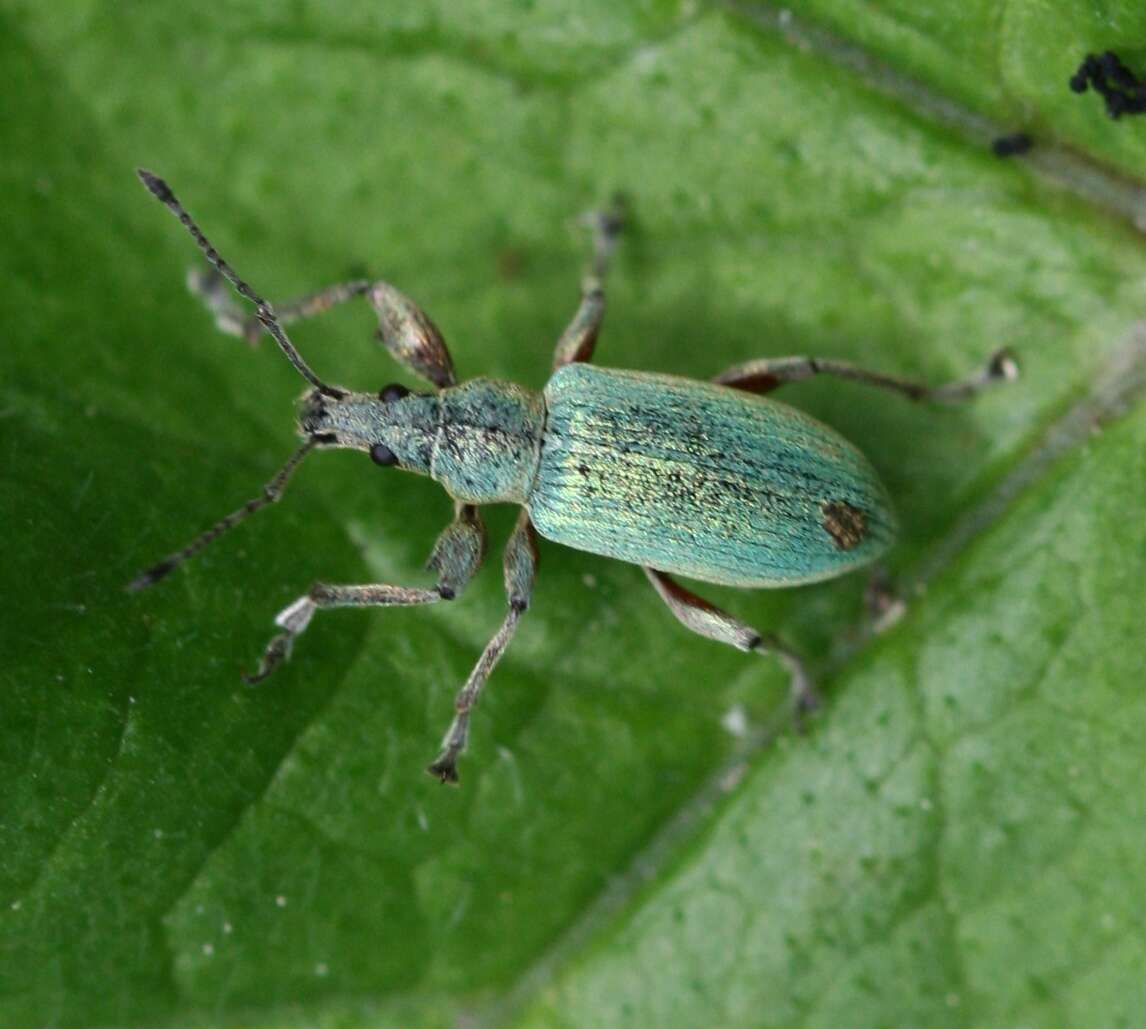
(957, 838)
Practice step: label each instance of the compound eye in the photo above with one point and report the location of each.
(382, 455)
(395, 391)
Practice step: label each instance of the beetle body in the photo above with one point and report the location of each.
(703, 479)
(687, 477)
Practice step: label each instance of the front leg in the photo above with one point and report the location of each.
(404, 329)
(412, 338)
(212, 289)
(705, 619)
(520, 572)
(456, 557)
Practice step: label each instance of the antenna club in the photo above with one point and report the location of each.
(156, 186)
(151, 576)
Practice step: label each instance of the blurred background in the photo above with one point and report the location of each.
(638, 838)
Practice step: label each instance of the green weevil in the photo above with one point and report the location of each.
(707, 480)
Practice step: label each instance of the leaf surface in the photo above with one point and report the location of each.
(956, 839)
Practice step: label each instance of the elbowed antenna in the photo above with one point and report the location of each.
(263, 311)
(271, 493)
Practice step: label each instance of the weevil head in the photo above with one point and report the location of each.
(394, 426)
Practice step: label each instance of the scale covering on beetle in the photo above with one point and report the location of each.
(702, 480)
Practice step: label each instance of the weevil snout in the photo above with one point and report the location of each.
(353, 420)
(394, 426)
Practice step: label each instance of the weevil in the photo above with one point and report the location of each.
(708, 480)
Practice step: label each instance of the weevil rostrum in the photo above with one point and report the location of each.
(707, 480)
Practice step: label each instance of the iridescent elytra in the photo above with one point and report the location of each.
(708, 480)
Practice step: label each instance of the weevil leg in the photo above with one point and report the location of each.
(883, 604)
(766, 374)
(580, 336)
(520, 572)
(705, 619)
(404, 329)
(458, 551)
(456, 557)
(413, 340)
(210, 287)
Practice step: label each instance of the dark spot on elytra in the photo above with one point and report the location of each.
(844, 523)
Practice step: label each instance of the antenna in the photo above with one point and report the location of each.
(263, 311)
(271, 493)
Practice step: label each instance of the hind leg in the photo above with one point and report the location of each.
(712, 622)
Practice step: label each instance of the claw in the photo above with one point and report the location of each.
(278, 651)
(805, 701)
(1003, 365)
(444, 769)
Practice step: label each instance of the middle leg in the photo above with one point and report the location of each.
(766, 374)
(580, 336)
(520, 572)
